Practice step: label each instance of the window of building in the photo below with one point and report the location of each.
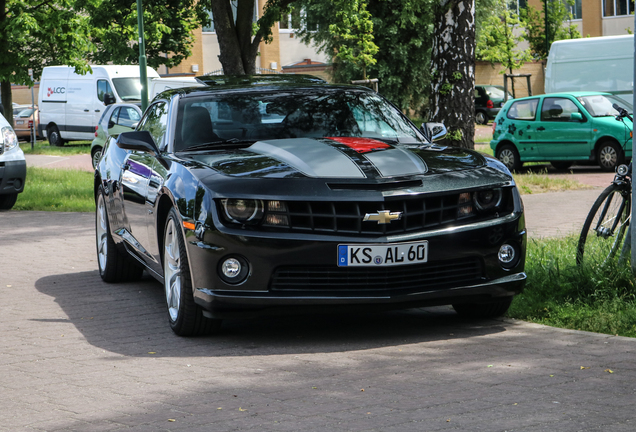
(234, 3)
(294, 21)
(575, 9)
(516, 6)
(618, 8)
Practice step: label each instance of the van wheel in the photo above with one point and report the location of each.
(610, 156)
(481, 118)
(509, 156)
(55, 139)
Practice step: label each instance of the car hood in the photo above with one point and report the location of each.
(336, 158)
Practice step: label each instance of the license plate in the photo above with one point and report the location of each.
(19, 122)
(359, 255)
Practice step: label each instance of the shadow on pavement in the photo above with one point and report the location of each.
(130, 319)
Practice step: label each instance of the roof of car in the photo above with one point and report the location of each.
(562, 94)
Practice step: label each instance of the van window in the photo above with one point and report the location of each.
(523, 109)
(128, 89)
(103, 87)
(156, 122)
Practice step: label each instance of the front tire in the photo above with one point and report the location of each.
(605, 226)
(509, 156)
(491, 309)
(184, 315)
(114, 266)
(610, 155)
(7, 201)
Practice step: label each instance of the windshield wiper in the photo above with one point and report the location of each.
(232, 142)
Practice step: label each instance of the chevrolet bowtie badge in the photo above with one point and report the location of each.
(383, 216)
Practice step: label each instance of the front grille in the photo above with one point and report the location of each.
(394, 280)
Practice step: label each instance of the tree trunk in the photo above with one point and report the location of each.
(7, 100)
(226, 33)
(453, 62)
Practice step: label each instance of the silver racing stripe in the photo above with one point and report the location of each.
(311, 157)
(396, 162)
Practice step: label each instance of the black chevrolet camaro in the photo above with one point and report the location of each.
(267, 195)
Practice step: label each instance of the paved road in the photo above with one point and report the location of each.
(77, 354)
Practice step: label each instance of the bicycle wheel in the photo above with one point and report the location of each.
(605, 226)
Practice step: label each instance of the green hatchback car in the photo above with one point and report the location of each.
(563, 128)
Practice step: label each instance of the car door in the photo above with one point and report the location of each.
(561, 135)
(136, 173)
(518, 126)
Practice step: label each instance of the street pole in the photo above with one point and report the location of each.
(633, 237)
(547, 32)
(33, 110)
(143, 75)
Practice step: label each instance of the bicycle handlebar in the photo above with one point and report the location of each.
(622, 112)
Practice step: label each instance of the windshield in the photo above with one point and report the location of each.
(601, 105)
(128, 88)
(267, 115)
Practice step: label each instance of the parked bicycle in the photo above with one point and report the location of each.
(607, 224)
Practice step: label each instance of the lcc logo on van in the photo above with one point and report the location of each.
(55, 90)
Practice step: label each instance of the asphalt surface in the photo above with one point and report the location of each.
(77, 354)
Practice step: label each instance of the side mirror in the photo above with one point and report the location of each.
(137, 141)
(109, 99)
(576, 117)
(434, 131)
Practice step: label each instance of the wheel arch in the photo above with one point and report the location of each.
(603, 139)
(504, 143)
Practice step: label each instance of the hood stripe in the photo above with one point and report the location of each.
(312, 157)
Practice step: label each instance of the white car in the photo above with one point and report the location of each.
(12, 166)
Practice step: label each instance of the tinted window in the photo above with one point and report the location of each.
(523, 109)
(558, 109)
(128, 117)
(261, 115)
(156, 122)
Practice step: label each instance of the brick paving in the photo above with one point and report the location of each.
(77, 354)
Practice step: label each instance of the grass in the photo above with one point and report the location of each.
(57, 190)
(70, 148)
(559, 293)
(538, 182)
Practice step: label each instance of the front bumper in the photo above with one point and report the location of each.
(12, 176)
(462, 267)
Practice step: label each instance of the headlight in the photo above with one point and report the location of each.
(9, 138)
(486, 200)
(243, 210)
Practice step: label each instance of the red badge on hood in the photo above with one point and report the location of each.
(361, 145)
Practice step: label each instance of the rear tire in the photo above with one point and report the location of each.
(491, 309)
(53, 134)
(114, 266)
(509, 156)
(184, 315)
(481, 118)
(96, 155)
(609, 156)
(7, 201)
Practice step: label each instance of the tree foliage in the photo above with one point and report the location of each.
(498, 41)
(168, 27)
(559, 26)
(403, 33)
(38, 33)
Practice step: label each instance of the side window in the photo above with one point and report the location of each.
(523, 109)
(156, 122)
(112, 121)
(128, 117)
(103, 87)
(558, 109)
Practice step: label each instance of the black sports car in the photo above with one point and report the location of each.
(256, 195)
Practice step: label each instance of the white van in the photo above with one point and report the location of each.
(592, 64)
(70, 105)
(157, 85)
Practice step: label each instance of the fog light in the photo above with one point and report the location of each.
(231, 268)
(507, 256)
(234, 270)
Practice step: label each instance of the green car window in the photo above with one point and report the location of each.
(523, 109)
(558, 109)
